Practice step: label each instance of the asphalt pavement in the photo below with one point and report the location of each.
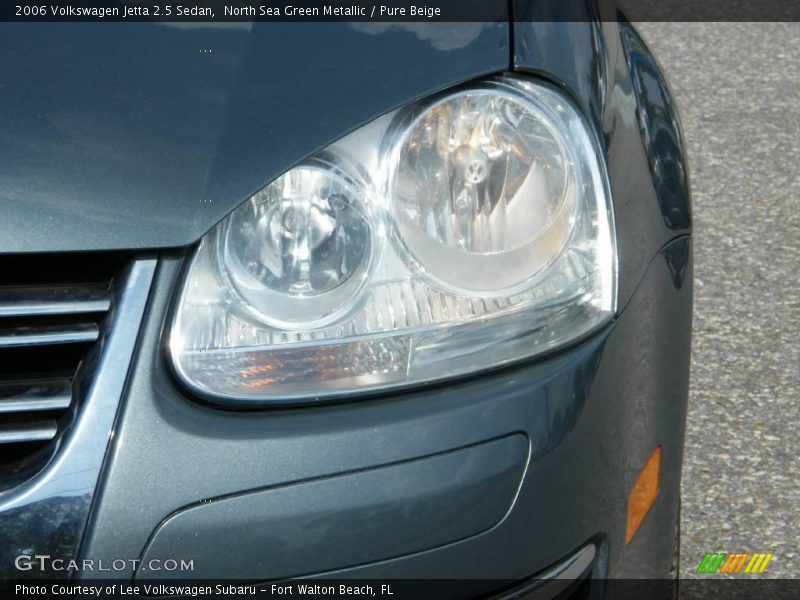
(737, 87)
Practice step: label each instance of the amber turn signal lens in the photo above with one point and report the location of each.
(643, 494)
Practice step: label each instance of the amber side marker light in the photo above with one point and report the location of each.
(643, 494)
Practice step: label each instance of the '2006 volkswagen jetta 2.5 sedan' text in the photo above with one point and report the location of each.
(351, 300)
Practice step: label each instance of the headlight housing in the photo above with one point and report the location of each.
(460, 233)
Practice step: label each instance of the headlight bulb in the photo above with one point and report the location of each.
(300, 249)
(482, 191)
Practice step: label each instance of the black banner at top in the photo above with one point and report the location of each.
(223, 11)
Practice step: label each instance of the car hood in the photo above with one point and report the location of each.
(144, 135)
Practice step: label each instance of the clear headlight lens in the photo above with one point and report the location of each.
(481, 191)
(455, 235)
(298, 251)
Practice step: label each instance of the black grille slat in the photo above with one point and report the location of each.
(52, 312)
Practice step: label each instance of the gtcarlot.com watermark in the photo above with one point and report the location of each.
(44, 562)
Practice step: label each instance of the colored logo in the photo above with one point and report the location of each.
(734, 562)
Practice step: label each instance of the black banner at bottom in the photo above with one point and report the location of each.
(403, 589)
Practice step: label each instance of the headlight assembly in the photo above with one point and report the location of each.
(455, 235)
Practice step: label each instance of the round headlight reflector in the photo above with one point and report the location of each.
(299, 250)
(483, 190)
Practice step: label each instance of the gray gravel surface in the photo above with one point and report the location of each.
(737, 87)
